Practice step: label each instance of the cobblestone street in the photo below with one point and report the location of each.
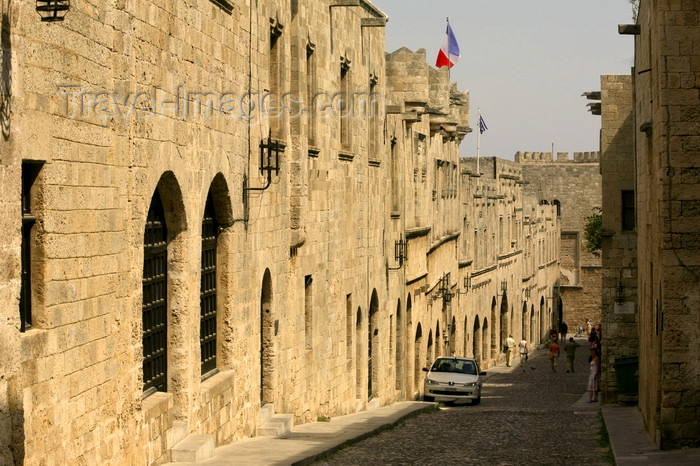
(527, 415)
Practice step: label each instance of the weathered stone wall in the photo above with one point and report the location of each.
(668, 287)
(620, 319)
(307, 280)
(575, 185)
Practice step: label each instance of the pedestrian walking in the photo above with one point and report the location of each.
(594, 376)
(553, 335)
(553, 354)
(589, 327)
(524, 348)
(510, 346)
(563, 330)
(570, 348)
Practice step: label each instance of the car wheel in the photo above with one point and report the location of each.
(429, 399)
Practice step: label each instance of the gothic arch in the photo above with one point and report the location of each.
(373, 347)
(495, 346)
(417, 364)
(167, 333)
(476, 341)
(485, 338)
(399, 347)
(267, 344)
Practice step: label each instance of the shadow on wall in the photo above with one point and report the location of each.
(5, 77)
(11, 424)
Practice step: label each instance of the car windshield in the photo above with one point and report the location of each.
(454, 365)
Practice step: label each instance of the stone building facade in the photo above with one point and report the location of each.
(619, 232)
(650, 137)
(218, 208)
(668, 175)
(574, 187)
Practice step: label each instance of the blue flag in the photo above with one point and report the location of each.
(482, 125)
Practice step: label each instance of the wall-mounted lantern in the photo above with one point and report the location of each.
(443, 290)
(400, 253)
(504, 287)
(467, 284)
(52, 10)
(269, 162)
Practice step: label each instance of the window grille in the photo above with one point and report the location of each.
(155, 299)
(207, 292)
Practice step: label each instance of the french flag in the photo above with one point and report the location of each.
(449, 50)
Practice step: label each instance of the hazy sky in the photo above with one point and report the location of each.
(525, 63)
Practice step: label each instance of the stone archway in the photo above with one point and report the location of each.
(417, 364)
(503, 321)
(495, 344)
(359, 339)
(476, 341)
(485, 338)
(373, 346)
(399, 357)
(267, 347)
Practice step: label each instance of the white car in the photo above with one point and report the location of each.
(453, 379)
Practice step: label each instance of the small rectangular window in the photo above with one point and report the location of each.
(628, 219)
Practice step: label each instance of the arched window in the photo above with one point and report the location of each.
(558, 204)
(207, 290)
(155, 299)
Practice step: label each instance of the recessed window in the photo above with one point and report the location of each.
(155, 299)
(207, 291)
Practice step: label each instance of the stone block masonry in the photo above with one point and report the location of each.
(163, 277)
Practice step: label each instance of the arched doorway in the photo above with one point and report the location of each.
(429, 357)
(399, 347)
(485, 338)
(358, 353)
(504, 321)
(417, 365)
(533, 325)
(409, 358)
(372, 345)
(524, 330)
(476, 340)
(542, 317)
(465, 339)
(267, 352)
(495, 346)
(453, 333)
(438, 341)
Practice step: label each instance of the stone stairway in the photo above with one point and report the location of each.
(274, 425)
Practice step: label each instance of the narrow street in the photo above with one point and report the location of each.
(527, 415)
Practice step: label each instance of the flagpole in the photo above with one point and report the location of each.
(478, 142)
(448, 51)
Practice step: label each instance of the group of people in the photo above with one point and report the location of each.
(523, 349)
(594, 342)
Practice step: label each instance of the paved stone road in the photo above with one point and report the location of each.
(534, 416)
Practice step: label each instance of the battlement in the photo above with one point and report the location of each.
(562, 157)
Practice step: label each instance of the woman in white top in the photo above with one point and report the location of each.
(524, 348)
